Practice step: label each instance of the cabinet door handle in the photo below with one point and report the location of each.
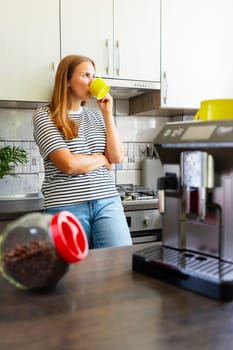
(118, 69)
(164, 88)
(108, 57)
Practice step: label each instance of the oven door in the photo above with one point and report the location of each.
(146, 236)
(144, 225)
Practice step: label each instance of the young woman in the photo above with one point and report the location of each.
(78, 147)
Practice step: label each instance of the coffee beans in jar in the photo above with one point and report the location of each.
(37, 249)
(35, 265)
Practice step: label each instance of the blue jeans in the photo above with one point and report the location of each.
(103, 221)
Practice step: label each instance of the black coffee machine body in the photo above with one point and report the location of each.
(196, 203)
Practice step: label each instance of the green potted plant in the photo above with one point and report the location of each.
(11, 156)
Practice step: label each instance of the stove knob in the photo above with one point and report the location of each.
(147, 221)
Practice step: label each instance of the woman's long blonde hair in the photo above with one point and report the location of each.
(61, 97)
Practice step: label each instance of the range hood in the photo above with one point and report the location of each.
(126, 89)
(149, 104)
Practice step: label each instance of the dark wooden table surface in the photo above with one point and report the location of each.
(102, 305)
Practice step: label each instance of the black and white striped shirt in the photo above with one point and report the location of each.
(59, 188)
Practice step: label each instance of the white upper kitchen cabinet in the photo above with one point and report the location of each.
(197, 51)
(137, 39)
(29, 46)
(87, 29)
(121, 36)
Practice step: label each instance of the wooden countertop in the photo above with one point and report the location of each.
(101, 304)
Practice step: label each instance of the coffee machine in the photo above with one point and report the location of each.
(196, 204)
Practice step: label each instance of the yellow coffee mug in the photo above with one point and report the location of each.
(99, 88)
(219, 109)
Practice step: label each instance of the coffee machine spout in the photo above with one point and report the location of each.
(197, 176)
(168, 182)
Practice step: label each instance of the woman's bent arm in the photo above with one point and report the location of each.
(73, 163)
(114, 148)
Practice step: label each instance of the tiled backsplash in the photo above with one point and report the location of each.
(16, 129)
(34, 163)
(22, 183)
(135, 132)
(27, 175)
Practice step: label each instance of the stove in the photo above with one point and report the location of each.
(129, 192)
(136, 197)
(141, 210)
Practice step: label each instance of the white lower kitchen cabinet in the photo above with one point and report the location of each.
(197, 51)
(30, 49)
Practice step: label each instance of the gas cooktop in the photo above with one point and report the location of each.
(130, 192)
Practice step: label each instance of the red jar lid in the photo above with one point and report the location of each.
(69, 237)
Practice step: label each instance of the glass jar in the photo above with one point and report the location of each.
(37, 249)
